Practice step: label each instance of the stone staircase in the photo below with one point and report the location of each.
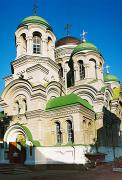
(14, 169)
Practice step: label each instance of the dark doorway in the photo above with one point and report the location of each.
(17, 151)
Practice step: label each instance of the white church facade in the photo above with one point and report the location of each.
(58, 105)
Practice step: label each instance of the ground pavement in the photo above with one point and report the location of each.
(103, 172)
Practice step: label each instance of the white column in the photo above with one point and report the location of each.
(52, 52)
(76, 73)
(18, 48)
(86, 71)
(29, 45)
(44, 47)
(100, 72)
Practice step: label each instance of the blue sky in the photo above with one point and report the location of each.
(102, 19)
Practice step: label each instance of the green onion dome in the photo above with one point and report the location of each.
(35, 20)
(110, 77)
(85, 46)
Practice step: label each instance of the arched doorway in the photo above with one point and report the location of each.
(15, 142)
(17, 150)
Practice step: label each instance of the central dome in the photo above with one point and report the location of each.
(68, 40)
(35, 20)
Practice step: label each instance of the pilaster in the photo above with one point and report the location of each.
(29, 45)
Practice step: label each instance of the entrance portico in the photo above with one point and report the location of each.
(15, 144)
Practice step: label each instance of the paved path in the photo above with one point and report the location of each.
(103, 172)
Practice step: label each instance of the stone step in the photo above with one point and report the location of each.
(14, 169)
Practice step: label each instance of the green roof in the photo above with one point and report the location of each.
(67, 100)
(116, 92)
(35, 19)
(85, 46)
(110, 77)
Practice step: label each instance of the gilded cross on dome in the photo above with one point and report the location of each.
(83, 35)
(68, 28)
(107, 68)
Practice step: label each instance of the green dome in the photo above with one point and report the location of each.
(35, 20)
(85, 46)
(110, 77)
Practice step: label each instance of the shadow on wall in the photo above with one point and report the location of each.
(109, 136)
(4, 124)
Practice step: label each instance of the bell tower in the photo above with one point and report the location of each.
(34, 36)
(35, 47)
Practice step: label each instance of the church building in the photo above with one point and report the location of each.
(58, 106)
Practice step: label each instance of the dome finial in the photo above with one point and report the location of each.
(83, 36)
(35, 8)
(67, 27)
(107, 68)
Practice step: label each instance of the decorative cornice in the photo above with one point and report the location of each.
(30, 59)
(68, 110)
(37, 67)
(37, 90)
(61, 112)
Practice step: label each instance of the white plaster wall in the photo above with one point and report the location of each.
(58, 155)
(69, 155)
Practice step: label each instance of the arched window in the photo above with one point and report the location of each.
(36, 43)
(81, 70)
(17, 107)
(58, 133)
(24, 105)
(49, 40)
(70, 74)
(60, 70)
(100, 65)
(70, 132)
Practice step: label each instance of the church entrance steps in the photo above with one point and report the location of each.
(14, 169)
(59, 167)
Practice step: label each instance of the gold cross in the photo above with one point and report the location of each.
(107, 68)
(83, 35)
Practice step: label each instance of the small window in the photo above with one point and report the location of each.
(81, 70)
(58, 133)
(37, 44)
(25, 105)
(17, 107)
(70, 132)
(60, 70)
